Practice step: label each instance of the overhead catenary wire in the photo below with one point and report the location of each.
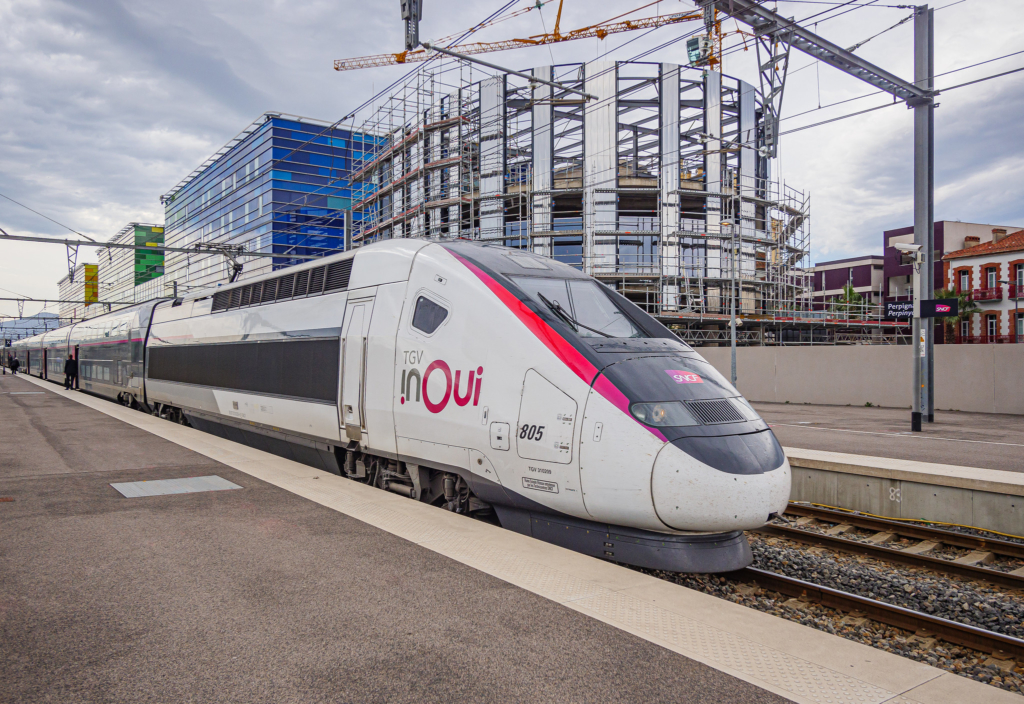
(70, 229)
(879, 92)
(889, 105)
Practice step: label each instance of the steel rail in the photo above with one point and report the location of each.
(881, 552)
(898, 616)
(882, 525)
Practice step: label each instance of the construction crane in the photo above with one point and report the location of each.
(710, 51)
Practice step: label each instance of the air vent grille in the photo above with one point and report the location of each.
(338, 274)
(269, 291)
(308, 282)
(220, 300)
(714, 411)
(301, 282)
(316, 280)
(285, 286)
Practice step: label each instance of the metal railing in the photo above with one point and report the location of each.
(994, 293)
(867, 338)
(988, 339)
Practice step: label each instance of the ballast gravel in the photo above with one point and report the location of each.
(960, 600)
(921, 590)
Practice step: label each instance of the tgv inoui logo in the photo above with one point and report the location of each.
(415, 387)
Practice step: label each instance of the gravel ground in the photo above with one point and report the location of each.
(922, 590)
(918, 589)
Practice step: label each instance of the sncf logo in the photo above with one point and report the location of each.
(415, 387)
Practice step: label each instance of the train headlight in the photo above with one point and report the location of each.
(666, 413)
(745, 409)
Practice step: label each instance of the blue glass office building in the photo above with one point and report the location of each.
(280, 186)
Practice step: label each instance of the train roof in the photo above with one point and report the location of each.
(509, 261)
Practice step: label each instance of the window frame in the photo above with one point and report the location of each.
(434, 298)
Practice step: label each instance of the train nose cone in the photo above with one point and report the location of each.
(720, 483)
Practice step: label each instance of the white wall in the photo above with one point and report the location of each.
(953, 233)
(978, 378)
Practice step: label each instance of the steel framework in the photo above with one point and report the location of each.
(661, 185)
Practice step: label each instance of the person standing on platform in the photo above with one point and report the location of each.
(15, 363)
(70, 372)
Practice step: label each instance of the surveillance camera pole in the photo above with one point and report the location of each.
(919, 347)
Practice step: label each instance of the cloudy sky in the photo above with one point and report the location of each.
(107, 104)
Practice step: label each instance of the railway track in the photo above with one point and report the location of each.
(984, 550)
(914, 621)
(933, 538)
(909, 530)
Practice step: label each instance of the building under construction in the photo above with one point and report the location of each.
(653, 177)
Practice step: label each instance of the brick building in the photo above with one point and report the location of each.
(980, 267)
(950, 236)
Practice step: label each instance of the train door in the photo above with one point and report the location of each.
(78, 366)
(353, 366)
(43, 371)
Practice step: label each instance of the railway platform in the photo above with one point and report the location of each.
(276, 582)
(965, 469)
(982, 440)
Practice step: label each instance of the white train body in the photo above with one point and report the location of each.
(480, 379)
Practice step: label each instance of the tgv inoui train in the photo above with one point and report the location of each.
(469, 376)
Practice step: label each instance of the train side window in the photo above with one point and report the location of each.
(428, 315)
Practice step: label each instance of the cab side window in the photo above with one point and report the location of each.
(428, 315)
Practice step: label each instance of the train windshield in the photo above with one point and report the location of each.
(582, 304)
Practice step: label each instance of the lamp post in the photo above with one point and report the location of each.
(1016, 310)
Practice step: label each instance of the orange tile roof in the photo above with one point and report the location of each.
(1010, 243)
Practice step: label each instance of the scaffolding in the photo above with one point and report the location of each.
(661, 186)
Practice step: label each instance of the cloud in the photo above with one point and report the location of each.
(108, 104)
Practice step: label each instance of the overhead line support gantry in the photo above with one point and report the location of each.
(918, 95)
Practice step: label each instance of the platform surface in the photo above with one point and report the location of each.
(984, 440)
(306, 587)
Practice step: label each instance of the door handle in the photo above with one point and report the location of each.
(362, 389)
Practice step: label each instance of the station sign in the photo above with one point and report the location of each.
(894, 310)
(930, 308)
(940, 308)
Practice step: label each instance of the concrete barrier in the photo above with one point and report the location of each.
(976, 378)
(984, 498)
